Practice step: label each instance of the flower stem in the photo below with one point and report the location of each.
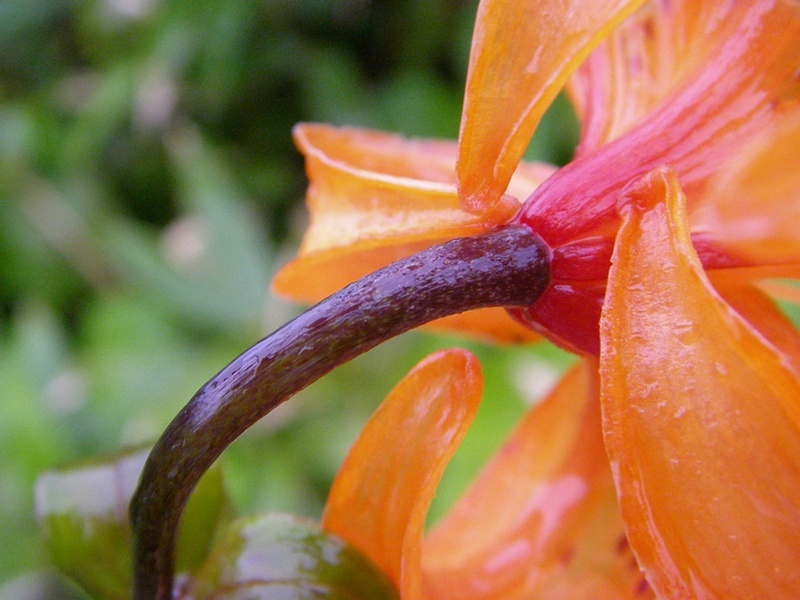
(506, 267)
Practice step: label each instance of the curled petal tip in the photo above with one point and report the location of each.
(379, 499)
(639, 194)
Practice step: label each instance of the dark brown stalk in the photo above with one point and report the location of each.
(507, 267)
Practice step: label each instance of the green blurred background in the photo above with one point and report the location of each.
(149, 189)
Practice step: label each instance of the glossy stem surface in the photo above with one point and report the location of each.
(506, 267)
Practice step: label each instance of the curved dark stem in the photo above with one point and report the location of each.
(507, 267)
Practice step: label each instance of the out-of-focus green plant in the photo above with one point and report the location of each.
(84, 518)
(147, 187)
(82, 512)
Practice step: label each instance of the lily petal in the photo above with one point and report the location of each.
(752, 207)
(556, 532)
(646, 60)
(381, 495)
(760, 311)
(782, 290)
(701, 416)
(522, 54)
(746, 83)
(375, 198)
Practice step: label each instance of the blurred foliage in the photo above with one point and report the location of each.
(148, 190)
(83, 517)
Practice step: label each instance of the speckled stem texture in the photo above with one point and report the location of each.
(506, 267)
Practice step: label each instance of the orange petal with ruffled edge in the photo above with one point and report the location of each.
(381, 495)
(542, 520)
(701, 417)
(522, 54)
(752, 207)
(375, 198)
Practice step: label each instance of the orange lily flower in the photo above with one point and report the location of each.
(682, 197)
(541, 520)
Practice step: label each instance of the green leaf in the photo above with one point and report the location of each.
(83, 515)
(276, 557)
